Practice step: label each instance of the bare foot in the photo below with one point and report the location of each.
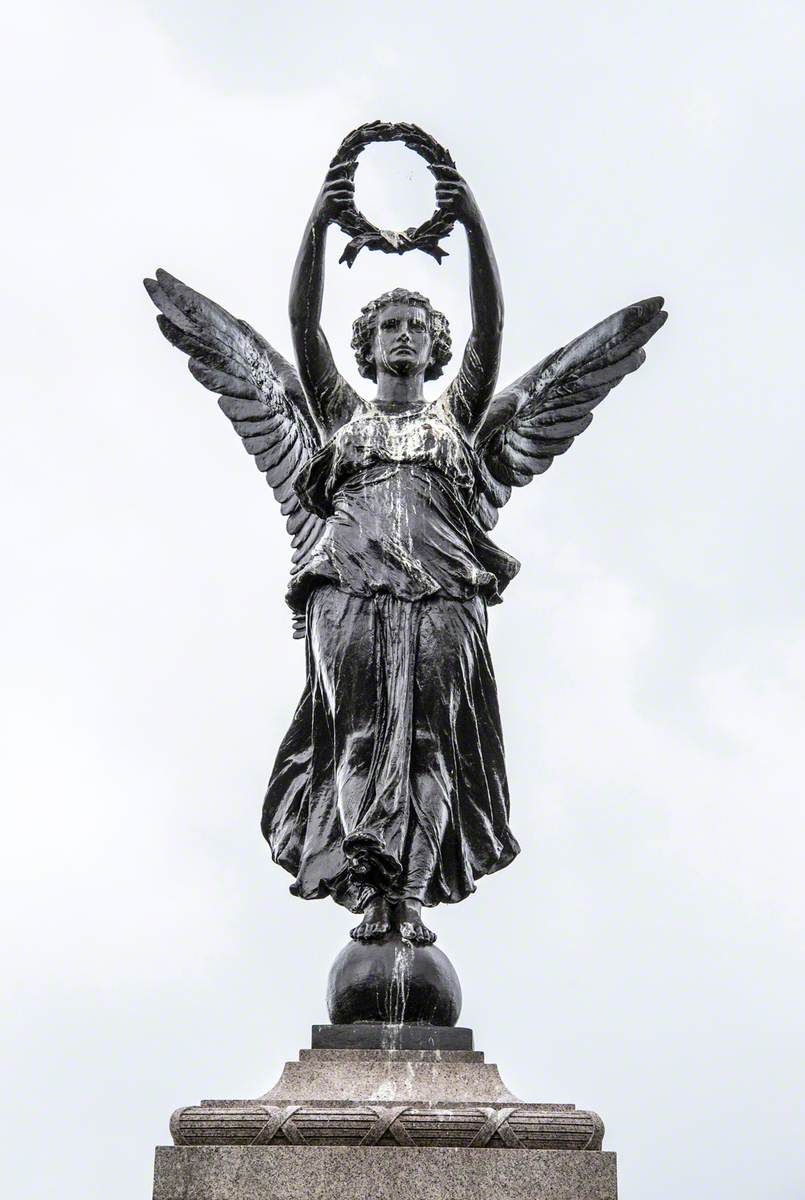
(408, 919)
(376, 921)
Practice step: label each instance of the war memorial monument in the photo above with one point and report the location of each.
(389, 790)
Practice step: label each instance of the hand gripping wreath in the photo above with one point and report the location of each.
(362, 232)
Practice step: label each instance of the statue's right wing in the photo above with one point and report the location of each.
(259, 391)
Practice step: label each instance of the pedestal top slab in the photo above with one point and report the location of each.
(428, 1077)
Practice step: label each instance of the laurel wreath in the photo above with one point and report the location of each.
(362, 232)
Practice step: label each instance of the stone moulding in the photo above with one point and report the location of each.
(516, 1127)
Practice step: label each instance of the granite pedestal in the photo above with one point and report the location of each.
(353, 1123)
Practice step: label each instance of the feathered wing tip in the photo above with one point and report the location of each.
(259, 392)
(618, 339)
(540, 415)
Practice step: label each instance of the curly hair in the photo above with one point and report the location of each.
(363, 332)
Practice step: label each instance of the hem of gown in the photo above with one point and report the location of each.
(355, 898)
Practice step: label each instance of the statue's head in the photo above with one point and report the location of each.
(404, 332)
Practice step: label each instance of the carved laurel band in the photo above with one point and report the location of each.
(521, 1127)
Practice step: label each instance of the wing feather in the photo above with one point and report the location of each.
(264, 425)
(290, 506)
(279, 471)
(307, 540)
(224, 382)
(244, 410)
(271, 449)
(259, 443)
(297, 520)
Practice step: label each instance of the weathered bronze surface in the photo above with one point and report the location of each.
(389, 791)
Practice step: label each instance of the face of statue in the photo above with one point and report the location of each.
(402, 342)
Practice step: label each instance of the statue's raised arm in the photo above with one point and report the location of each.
(471, 391)
(331, 399)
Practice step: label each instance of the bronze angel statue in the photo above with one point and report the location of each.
(389, 790)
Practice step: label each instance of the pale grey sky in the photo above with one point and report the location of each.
(643, 956)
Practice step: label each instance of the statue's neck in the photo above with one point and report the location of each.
(397, 393)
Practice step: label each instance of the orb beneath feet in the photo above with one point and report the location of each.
(395, 982)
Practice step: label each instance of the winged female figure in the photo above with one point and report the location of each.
(389, 790)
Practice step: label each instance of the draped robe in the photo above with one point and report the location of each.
(391, 779)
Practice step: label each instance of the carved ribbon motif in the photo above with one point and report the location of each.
(373, 1125)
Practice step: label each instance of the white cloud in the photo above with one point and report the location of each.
(645, 948)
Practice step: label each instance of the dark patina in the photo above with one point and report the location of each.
(389, 791)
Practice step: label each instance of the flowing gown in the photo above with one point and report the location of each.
(391, 779)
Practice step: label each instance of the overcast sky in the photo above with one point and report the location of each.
(643, 957)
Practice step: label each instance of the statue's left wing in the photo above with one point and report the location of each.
(259, 391)
(541, 414)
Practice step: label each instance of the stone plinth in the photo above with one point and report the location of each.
(380, 1173)
(374, 1035)
(358, 1124)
